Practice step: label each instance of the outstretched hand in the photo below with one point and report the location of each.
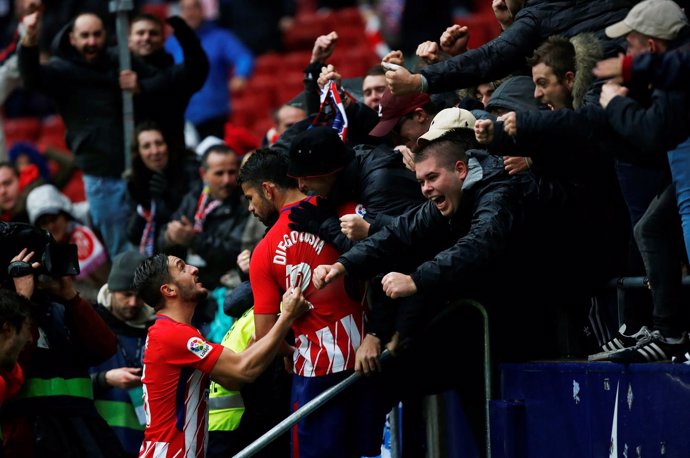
(402, 82)
(454, 39)
(394, 57)
(502, 13)
(509, 123)
(397, 285)
(429, 52)
(610, 68)
(307, 217)
(324, 274)
(610, 90)
(324, 47)
(294, 303)
(32, 24)
(484, 131)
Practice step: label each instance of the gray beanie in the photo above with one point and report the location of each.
(121, 276)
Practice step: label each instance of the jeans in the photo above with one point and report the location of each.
(657, 236)
(679, 160)
(107, 197)
(639, 185)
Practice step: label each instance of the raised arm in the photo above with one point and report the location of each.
(232, 369)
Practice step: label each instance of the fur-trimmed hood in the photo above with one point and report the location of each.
(105, 298)
(588, 51)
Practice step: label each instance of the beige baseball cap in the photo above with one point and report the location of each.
(447, 120)
(661, 19)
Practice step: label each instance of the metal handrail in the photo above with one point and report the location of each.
(302, 412)
(636, 282)
(333, 391)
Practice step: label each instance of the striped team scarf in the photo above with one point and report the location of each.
(146, 244)
(332, 110)
(11, 49)
(205, 206)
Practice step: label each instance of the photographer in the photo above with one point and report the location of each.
(15, 333)
(54, 413)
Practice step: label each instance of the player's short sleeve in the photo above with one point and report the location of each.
(183, 345)
(267, 295)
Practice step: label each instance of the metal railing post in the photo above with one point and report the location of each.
(487, 371)
(302, 412)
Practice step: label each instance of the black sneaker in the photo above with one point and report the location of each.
(682, 359)
(619, 342)
(655, 348)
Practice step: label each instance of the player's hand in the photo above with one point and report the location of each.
(294, 303)
(324, 274)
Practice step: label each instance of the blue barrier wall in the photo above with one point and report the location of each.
(583, 410)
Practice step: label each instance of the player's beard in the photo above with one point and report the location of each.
(192, 294)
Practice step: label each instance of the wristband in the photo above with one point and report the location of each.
(424, 84)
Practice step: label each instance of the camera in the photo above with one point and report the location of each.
(57, 259)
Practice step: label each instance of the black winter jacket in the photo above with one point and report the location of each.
(219, 242)
(578, 198)
(170, 86)
(534, 23)
(377, 179)
(88, 98)
(459, 250)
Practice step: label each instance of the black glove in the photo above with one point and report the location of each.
(158, 184)
(307, 217)
(179, 25)
(470, 103)
(19, 269)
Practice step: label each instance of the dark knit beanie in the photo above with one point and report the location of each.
(121, 276)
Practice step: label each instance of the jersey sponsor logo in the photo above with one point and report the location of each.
(198, 346)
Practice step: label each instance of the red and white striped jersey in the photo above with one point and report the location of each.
(326, 337)
(177, 361)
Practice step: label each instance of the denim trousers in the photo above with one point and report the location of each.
(679, 161)
(107, 197)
